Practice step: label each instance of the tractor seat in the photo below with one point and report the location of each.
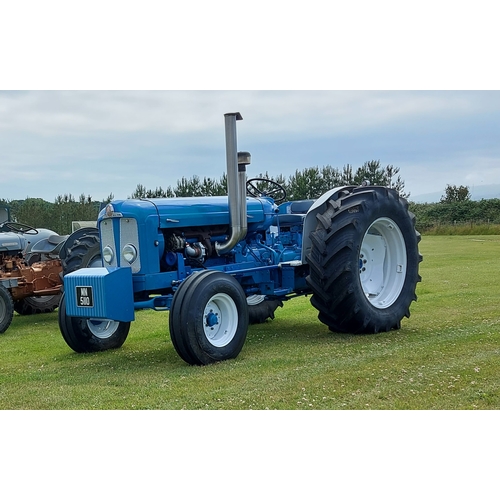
(293, 213)
(55, 239)
(48, 245)
(301, 206)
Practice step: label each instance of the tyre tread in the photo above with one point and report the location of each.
(334, 273)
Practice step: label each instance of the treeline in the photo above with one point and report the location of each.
(455, 207)
(456, 213)
(57, 216)
(306, 184)
(309, 183)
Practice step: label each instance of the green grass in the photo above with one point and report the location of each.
(444, 357)
(463, 229)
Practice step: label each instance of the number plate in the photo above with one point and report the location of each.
(84, 296)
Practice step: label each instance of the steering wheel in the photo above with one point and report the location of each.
(275, 190)
(18, 227)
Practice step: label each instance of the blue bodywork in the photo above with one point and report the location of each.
(175, 237)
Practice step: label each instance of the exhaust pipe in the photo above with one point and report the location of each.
(236, 187)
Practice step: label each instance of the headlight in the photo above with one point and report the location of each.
(129, 253)
(108, 254)
(109, 210)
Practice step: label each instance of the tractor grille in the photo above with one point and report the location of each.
(108, 239)
(117, 233)
(130, 235)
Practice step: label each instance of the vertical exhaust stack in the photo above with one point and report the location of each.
(236, 182)
(244, 159)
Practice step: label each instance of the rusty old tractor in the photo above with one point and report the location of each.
(32, 264)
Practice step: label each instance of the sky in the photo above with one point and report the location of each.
(101, 142)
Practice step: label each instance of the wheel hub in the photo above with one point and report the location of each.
(102, 329)
(212, 319)
(220, 320)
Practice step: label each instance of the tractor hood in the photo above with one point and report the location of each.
(172, 213)
(12, 242)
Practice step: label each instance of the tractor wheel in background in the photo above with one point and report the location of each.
(81, 251)
(6, 309)
(37, 305)
(209, 322)
(364, 261)
(260, 309)
(89, 335)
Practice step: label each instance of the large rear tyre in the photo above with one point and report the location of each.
(82, 249)
(208, 318)
(364, 261)
(37, 305)
(6, 309)
(89, 335)
(259, 309)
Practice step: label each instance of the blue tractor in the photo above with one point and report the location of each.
(218, 264)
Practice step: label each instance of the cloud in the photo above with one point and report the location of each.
(97, 142)
(267, 112)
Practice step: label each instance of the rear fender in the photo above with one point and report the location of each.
(310, 221)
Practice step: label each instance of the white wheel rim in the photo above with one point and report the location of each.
(220, 320)
(382, 263)
(102, 329)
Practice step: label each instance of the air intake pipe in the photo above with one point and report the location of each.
(236, 187)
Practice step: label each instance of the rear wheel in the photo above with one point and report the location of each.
(209, 318)
(364, 261)
(6, 309)
(82, 249)
(259, 309)
(91, 335)
(36, 305)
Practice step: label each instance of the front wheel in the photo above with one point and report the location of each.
(6, 309)
(208, 318)
(364, 261)
(91, 335)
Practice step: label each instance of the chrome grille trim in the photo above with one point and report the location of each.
(108, 239)
(129, 234)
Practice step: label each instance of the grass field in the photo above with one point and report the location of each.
(444, 357)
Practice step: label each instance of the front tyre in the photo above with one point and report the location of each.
(364, 261)
(91, 335)
(209, 318)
